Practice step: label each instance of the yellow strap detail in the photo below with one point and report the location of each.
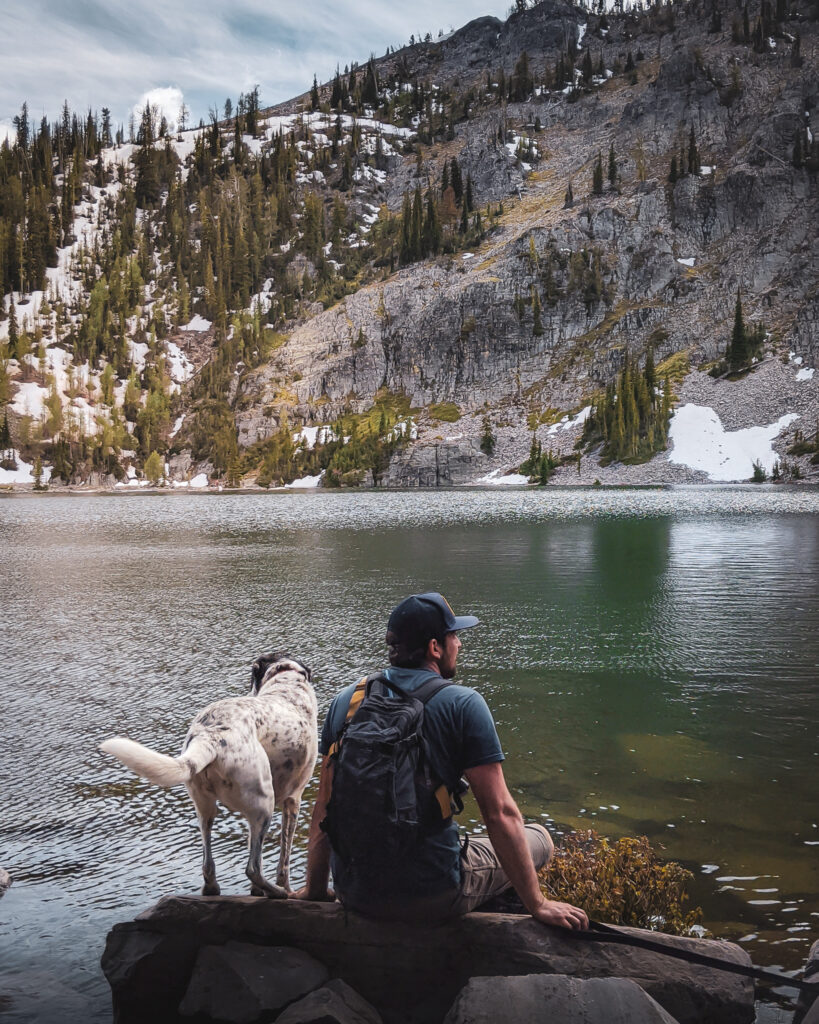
(442, 796)
(356, 699)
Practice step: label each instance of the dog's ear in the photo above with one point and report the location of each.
(300, 663)
(258, 670)
(263, 663)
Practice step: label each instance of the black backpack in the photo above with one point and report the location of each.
(385, 798)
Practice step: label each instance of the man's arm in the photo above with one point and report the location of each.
(318, 843)
(504, 824)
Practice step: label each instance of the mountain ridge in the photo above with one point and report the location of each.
(528, 306)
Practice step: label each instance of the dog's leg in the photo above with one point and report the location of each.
(259, 813)
(206, 812)
(259, 824)
(290, 815)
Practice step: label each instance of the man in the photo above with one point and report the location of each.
(441, 880)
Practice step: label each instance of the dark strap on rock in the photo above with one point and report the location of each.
(598, 932)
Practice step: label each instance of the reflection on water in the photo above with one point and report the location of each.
(651, 657)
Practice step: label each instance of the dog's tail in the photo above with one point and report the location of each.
(159, 768)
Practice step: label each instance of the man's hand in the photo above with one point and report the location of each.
(561, 915)
(328, 896)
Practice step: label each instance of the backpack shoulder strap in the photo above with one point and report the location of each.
(355, 704)
(430, 687)
(356, 699)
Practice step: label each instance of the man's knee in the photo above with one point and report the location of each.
(540, 845)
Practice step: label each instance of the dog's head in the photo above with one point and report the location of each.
(269, 664)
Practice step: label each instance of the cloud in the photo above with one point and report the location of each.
(96, 54)
(167, 100)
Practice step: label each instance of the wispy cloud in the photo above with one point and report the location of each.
(111, 53)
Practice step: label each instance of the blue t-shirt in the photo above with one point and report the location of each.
(461, 734)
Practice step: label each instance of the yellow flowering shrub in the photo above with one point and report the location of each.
(620, 882)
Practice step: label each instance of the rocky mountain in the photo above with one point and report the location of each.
(479, 243)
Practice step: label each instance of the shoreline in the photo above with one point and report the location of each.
(80, 491)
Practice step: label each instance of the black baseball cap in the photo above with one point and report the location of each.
(417, 619)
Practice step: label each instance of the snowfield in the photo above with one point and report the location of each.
(700, 441)
(24, 474)
(508, 480)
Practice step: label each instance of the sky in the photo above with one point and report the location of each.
(115, 53)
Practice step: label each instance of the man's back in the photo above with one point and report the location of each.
(459, 734)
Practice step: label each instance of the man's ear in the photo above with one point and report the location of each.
(434, 649)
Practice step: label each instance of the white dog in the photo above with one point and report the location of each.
(251, 754)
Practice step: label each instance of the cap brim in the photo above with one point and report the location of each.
(465, 622)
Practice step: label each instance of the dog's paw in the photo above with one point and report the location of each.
(211, 890)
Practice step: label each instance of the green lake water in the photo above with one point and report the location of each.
(651, 657)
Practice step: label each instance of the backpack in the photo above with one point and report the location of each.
(385, 799)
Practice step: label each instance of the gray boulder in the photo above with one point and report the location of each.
(807, 1011)
(336, 1003)
(5, 881)
(545, 998)
(411, 974)
(240, 982)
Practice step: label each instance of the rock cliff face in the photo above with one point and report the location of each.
(647, 264)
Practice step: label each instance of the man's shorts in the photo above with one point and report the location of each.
(482, 876)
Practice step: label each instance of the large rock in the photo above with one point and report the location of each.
(5, 881)
(240, 982)
(336, 1003)
(411, 974)
(555, 999)
(808, 1006)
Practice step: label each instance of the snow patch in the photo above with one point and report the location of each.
(310, 435)
(567, 422)
(24, 474)
(30, 400)
(806, 373)
(700, 441)
(509, 479)
(200, 480)
(199, 323)
(139, 352)
(305, 482)
(180, 367)
(687, 262)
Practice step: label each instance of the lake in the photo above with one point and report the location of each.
(651, 657)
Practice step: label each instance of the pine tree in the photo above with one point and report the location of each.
(13, 333)
(586, 68)
(315, 100)
(672, 174)
(469, 201)
(650, 374)
(597, 176)
(154, 468)
(406, 253)
(737, 353)
(488, 439)
(456, 179)
(612, 166)
(5, 436)
(569, 199)
(537, 326)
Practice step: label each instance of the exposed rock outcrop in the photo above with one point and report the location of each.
(410, 974)
(546, 998)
